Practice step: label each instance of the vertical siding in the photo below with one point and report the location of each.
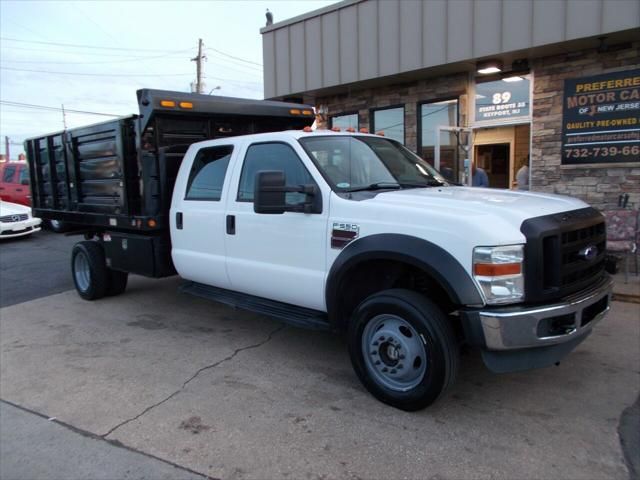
(516, 24)
(298, 54)
(368, 39)
(372, 38)
(434, 39)
(389, 42)
(487, 27)
(283, 63)
(349, 45)
(459, 30)
(313, 42)
(620, 15)
(548, 22)
(330, 49)
(269, 65)
(583, 17)
(410, 35)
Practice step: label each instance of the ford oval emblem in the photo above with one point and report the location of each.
(588, 253)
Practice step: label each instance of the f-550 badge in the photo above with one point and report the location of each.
(343, 233)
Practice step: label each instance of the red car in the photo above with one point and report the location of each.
(14, 183)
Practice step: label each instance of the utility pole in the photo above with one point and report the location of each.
(6, 148)
(64, 117)
(198, 60)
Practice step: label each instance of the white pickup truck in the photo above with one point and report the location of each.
(356, 234)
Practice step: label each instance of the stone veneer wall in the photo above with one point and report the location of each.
(408, 95)
(600, 185)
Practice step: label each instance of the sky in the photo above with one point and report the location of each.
(92, 56)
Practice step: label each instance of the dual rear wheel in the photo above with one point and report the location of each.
(91, 276)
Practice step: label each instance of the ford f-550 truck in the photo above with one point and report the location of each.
(355, 233)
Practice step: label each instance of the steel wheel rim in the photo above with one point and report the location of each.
(55, 223)
(81, 271)
(394, 353)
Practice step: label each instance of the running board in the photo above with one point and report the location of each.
(290, 314)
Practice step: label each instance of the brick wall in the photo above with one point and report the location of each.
(408, 95)
(599, 185)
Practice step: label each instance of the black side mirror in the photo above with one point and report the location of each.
(269, 192)
(25, 182)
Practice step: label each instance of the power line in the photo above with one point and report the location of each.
(133, 59)
(234, 57)
(75, 45)
(99, 74)
(55, 109)
(94, 54)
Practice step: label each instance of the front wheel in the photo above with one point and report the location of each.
(403, 349)
(57, 226)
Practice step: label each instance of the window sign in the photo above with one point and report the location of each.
(601, 118)
(390, 121)
(345, 121)
(503, 100)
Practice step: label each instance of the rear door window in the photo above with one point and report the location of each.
(208, 172)
(8, 174)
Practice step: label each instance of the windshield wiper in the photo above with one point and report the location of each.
(430, 183)
(376, 186)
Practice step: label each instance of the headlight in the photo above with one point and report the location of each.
(498, 271)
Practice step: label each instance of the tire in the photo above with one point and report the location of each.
(117, 282)
(89, 271)
(57, 226)
(396, 326)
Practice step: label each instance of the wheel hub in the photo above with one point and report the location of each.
(393, 352)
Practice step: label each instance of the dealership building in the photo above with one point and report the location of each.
(552, 84)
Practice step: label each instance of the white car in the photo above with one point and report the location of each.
(17, 221)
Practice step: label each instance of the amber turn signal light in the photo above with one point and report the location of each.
(497, 269)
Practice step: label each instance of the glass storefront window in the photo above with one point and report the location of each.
(432, 116)
(345, 121)
(390, 121)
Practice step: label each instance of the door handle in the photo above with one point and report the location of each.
(18, 189)
(231, 224)
(179, 220)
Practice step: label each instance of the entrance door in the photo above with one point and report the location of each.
(494, 160)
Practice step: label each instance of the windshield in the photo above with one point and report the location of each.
(354, 163)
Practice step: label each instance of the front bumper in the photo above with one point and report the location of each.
(540, 335)
(18, 229)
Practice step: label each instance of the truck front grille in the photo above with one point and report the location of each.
(564, 253)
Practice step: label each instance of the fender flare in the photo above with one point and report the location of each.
(427, 256)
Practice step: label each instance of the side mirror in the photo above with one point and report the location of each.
(269, 193)
(25, 182)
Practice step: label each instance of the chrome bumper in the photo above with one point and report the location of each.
(528, 327)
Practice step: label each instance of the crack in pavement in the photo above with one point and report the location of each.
(192, 377)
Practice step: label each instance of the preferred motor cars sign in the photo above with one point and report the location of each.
(601, 119)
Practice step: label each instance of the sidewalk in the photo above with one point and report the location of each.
(626, 292)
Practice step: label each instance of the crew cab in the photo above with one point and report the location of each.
(356, 234)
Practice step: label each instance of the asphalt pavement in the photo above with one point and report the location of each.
(157, 376)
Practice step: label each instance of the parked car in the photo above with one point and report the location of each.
(14, 183)
(16, 220)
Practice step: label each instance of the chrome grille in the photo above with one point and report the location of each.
(14, 218)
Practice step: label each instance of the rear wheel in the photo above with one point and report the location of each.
(90, 273)
(403, 349)
(57, 226)
(117, 282)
